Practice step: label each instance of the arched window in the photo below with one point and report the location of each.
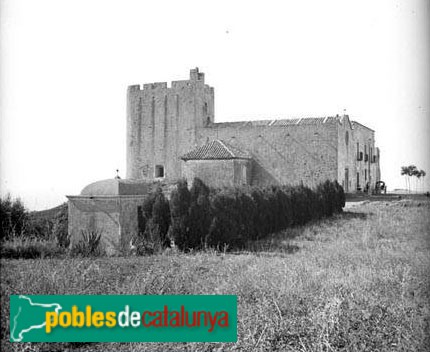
(347, 138)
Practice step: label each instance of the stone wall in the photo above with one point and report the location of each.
(345, 154)
(366, 169)
(282, 154)
(129, 208)
(95, 215)
(115, 217)
(161, 124)
(219, 173)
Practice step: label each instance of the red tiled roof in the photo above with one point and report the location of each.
(215, 150)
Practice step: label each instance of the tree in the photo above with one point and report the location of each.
(404, 171)
(413, 171)
(422, 174)
(161, 216)
(179, 205)
(199, 215)
(155, 218)
(408, 172)
(13, 216)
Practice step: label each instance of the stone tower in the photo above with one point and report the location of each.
(162, 122)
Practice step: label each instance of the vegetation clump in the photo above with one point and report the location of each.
(89, 245)
(230, 217)
(193, 219)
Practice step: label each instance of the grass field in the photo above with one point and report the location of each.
(356, 282)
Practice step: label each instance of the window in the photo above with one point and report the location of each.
(365, 175)
(159, 171)
(244, 174)
(140, 220)
(346, 138)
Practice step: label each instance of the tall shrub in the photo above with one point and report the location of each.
(199, 216)
(248, 214)
(180, 200)
(263, 216)
(13, 216)
(340, 197)
(232, 216)
(155, 218)
(60, 227)
(225, 228)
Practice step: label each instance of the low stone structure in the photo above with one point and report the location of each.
(218, 164)
(111, 207)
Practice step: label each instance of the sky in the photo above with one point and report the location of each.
(65, 67)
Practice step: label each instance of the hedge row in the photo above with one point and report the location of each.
(199, 217)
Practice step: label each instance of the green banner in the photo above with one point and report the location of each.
(123, 318)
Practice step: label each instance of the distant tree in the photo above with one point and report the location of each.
(405, 172)
(422, 174)
(415, 173)
(408, 172)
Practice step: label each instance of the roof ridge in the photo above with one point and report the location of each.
(225, 146)
(215, 149)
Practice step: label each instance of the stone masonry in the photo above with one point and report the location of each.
(164, 123)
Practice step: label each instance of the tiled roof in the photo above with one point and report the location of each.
(116, 187)
(354, 123)
(215, 150)
(288, 122)
(282, 122)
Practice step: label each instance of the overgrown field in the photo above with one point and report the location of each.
(357, 282)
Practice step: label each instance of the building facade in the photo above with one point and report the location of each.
(171, 134)
(165, 125)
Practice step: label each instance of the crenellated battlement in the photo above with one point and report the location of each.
(133, 88)
(196, 79)
(154, 86)
(162, 124)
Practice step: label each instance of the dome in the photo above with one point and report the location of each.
(116, 187)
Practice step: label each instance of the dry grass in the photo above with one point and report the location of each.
(357, 282)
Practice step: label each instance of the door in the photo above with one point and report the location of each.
(358, 182)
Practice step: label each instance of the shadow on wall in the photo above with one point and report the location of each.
(260, 176)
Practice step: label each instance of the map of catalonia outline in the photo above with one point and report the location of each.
(13, 337)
